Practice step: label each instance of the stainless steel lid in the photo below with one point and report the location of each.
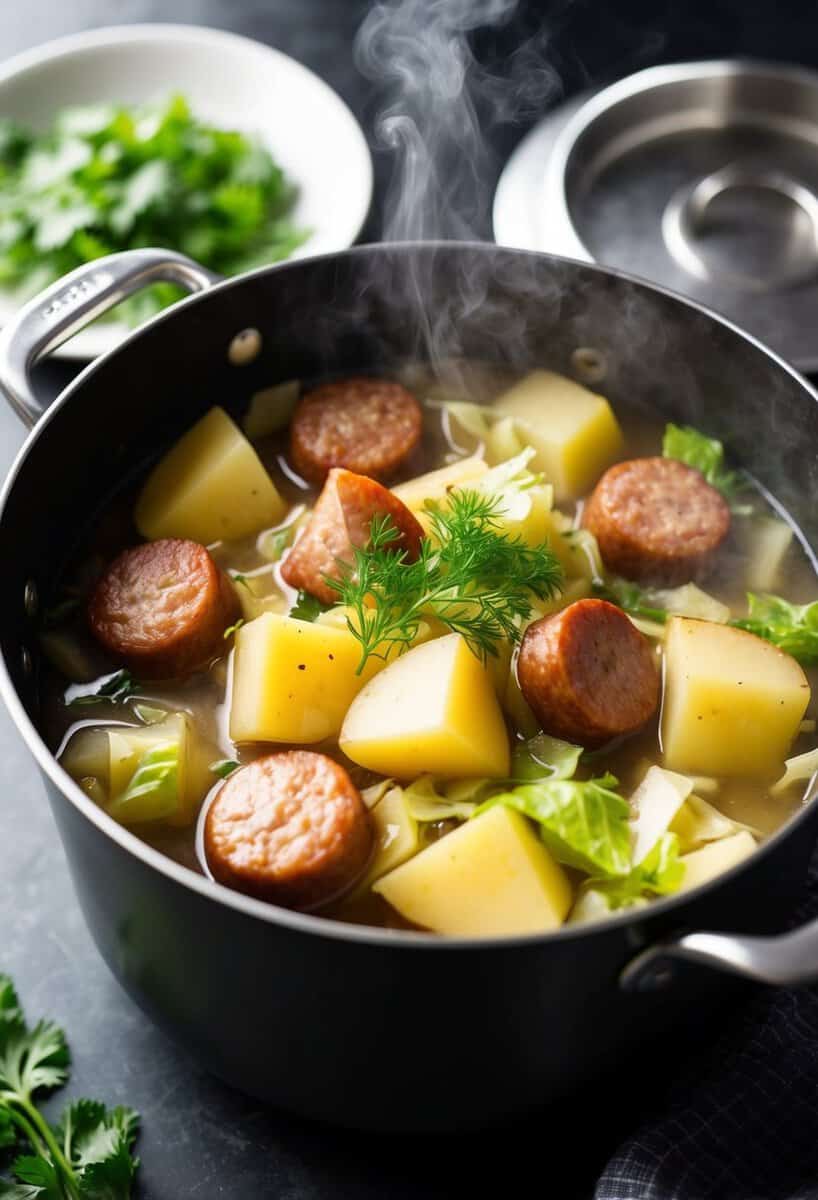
(702, 177)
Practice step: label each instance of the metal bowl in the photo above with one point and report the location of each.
(702, 177)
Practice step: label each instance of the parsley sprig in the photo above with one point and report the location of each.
(469, 575)
(108, 177)
(87, 1155)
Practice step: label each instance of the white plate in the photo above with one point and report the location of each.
(520, 216)
(229, 80)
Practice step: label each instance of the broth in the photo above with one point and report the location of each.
(205, 694)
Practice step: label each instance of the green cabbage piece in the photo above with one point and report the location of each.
(791, 627)
(660, 873)
(706, 454)
(153, 792)
(583, 824)
(544, 756)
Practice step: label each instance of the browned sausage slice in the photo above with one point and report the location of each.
(162, 609)
(290, 828)
(588, 674)
(657, 520)
(340, 521)
(366, 425)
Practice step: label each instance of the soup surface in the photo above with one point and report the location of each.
(555, 663)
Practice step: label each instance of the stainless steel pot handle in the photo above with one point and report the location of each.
(73, 302)
(786, 960)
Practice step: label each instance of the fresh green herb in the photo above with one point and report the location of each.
(114, 178)
(149, 715)
(224, 767)
(276, 542)
(88, 1154)
(544, 757)
(153, 792)
(706, 455)
(583, 824)
(659, 874)
(631, 599)
(307, 607)
(791, 627)
(113, 690)
(469, 575)
(243, 581)
(231, 629)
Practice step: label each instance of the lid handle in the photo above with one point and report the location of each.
(689, 216)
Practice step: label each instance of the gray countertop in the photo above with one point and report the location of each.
(199, 1138)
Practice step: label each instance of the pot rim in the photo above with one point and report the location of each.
(307, 923)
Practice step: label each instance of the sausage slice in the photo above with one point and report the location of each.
(366, 425)
(588, 674)
(290, 828)
(162, 608)
(341, 521)
(657, 520)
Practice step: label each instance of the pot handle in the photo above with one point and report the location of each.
(786, 960)
(73, 302)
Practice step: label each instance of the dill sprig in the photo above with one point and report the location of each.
(470, 576)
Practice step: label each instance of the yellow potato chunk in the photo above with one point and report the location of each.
(435, 711)
(436, 485)
(712, 860)
(293, 681)
(732, 703)
(574, 431)
(210, 485)
(491, 876)
(503, 440)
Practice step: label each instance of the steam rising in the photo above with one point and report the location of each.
(433, 305)
(439, 104)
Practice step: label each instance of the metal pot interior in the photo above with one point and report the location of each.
(374, 307)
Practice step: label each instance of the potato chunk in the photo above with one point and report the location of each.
(210, 485)
(712, 860)
(432, 710)
(574, 431)
(732, 703)
(293, 681)
(490, 877)
(436, 485)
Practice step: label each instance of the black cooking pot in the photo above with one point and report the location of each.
(370, 1027)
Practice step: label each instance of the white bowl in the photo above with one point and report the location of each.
(231, 81)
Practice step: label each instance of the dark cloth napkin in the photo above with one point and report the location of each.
(741, 1123)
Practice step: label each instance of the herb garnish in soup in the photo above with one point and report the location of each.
(478, 660)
